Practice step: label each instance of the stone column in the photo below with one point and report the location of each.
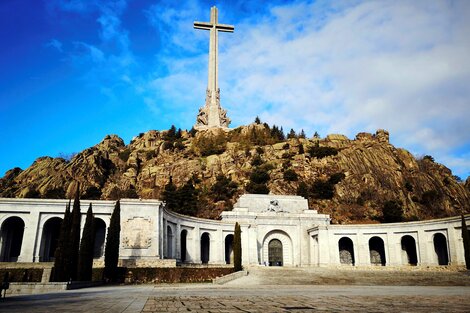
(178, 242)
(197, 245)
(423, 248)
(30, 239)
(455, 247)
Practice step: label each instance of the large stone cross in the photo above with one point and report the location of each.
(212, 114)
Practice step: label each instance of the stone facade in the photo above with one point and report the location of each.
(276, 230)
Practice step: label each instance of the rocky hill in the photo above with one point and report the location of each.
(361, 180)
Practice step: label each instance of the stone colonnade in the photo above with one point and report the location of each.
(276, 230)
(433, 242)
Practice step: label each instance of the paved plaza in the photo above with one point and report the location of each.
(251, 294)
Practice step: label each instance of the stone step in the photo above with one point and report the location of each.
(354, 276)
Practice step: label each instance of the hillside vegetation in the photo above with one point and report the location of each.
(361, 180)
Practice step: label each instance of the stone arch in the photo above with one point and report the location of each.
(377, 251)
(169, 242)
(205, 248)
(184, 250)
(12, 232)
(408, 248)
(229, 249)
(50, 238)
(440, 247)
(346, 251)
(286, 243)
(100, 237)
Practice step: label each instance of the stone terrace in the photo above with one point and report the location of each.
(272, 290)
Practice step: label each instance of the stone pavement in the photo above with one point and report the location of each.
(251, 294)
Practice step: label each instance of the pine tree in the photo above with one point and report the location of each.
(192, 132)
(74, 238)
(87, 245)
(111, 252)
(302, 134)
(281, 134)
(237, 248)
(466, 242)
(186, 199)
(257, 120)
(169, 195)
(291, 134)
(60, 254)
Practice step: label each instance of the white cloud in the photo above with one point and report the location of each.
(338, 68)
(56, 44)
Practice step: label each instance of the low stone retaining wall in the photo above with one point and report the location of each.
(22, 274)
(168, 275)
(34, 288)
(229, 277)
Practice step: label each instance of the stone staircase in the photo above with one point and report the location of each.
(380, 276)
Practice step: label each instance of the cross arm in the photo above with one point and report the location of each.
(202, 25)
(225, 28)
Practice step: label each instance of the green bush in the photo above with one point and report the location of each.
(290, 175)
(92, 193)
(392, 212)
(259, 176)
(224, 188)
(257, 161)
(430, 197)
(321, 152)
(124, 155)
(149, 155)
(209, 145)
(336, 178)
(257, 188)
(32, 194)
(303, 190)
(55, 193)
(322, 190)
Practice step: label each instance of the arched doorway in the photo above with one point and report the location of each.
(205, 248)
(184, 236)
(346, 251)
(100, 236)
(169, 242)
(408, 247)
(285, 247)
(275, 253)
(11, 239)
(440, 247)
(377, 251)
(50, 237)
(229, 249)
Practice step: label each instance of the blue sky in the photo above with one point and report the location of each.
(73, 71)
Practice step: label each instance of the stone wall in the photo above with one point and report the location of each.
(168, 275)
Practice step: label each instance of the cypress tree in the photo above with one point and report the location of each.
(87, 245)
(466, 242)
(74, 239)
(237, 248)
(60, 254)
(111, 252)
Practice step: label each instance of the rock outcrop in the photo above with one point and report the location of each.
(350, 179)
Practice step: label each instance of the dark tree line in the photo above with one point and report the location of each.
(73, 258)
